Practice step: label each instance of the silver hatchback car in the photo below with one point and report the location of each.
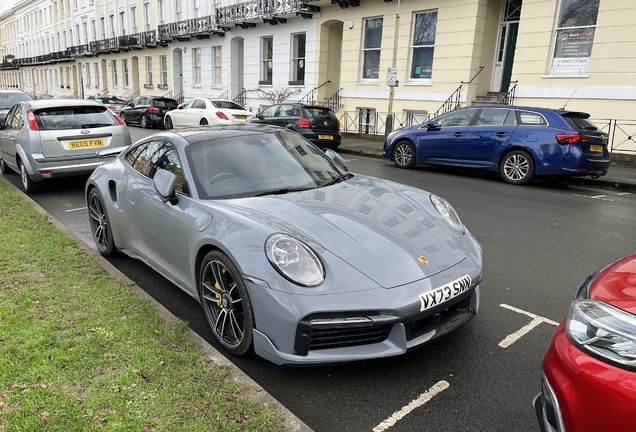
(41, 139)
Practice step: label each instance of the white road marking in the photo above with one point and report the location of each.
(536, 320)
(76, 209)
(415, 403)
(598, 197)
(624, 193)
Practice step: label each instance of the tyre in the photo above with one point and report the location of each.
(4, 168)
(404, 154)
(122, 116)
(517, 167)
(168, 123)
(27, 183)
(226, 303)
(144, 121)
(100, 225)
(203, 122)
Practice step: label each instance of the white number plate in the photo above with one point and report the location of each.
(445, 293)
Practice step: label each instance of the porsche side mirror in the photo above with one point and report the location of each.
(336, 158)
(166, 185)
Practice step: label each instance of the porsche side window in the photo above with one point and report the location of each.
(136, 158)
(163, 155)
(456, 118)
(270, 111)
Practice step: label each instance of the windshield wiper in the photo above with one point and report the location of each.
(339, 179)
(282, 191)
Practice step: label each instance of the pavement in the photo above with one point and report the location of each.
(620, 177)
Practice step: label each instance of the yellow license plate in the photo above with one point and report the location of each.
(327, 137)
(240, 117)
(98, 142)
(164, 111)
(596, 148)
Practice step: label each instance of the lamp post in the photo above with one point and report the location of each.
(392, 83)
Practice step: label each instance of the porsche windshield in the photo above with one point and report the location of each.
(258, 164)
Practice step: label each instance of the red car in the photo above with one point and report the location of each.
(589, 370)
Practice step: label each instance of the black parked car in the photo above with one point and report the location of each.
(147, 110)
(316, 123)
(8, 98)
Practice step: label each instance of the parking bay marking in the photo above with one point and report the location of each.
(415, 403)
(76, 209)
(598, 197)
(536, 320)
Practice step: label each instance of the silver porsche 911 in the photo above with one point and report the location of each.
(290, 255)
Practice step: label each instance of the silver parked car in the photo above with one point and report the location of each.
(41, 139)
(288, 253)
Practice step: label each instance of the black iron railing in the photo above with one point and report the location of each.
(509, 98)
(454, 99)
(225, 95)
(310, 98)
(240, 98)
(186, 28)
(130, 95)
(333, 102)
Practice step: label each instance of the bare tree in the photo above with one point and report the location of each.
(276, 94)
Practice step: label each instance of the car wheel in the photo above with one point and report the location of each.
(100, 225)
(404, 154)
(27, 182)
(517, 167)
(4, 167)
(226, 303)
(144, 121)
(168, 122)
(203, 122)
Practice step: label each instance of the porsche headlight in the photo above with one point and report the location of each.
(603, 330)
(294, 260)
(448, 213)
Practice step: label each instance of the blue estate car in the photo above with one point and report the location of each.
(518, 142)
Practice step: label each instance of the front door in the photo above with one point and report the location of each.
(506, 44)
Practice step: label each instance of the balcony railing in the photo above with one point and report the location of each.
(244, 13)
(190, 27)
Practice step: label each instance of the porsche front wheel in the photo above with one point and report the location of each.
(100, 225)
(226, 303)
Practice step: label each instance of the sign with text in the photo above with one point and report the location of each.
(572, 51)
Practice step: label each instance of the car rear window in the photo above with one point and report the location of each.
(74, 117)
(227, 105)
(165, 103)
(578, 122)
(321, 113)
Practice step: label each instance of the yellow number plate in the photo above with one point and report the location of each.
(596, 148)
(98, 142)
(327, 137)
(240, 117)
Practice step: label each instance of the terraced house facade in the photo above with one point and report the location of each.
(369, 60)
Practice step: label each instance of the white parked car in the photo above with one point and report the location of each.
(203, 111)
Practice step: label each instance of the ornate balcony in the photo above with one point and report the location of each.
(247, 14)
(200, 28)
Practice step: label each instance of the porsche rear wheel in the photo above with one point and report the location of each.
(100, 225)
(404, 154)
(203, 122)
(226, 303)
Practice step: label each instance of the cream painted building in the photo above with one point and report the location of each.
(342, 53)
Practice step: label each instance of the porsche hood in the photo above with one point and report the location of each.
(368, 223)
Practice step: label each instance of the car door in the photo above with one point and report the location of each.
(267, 116)
(440, 141)
(131, 111)
(161, 227)
(8, 135)
(180, 115)
(287, 115)
(196, 111)
(488, 135)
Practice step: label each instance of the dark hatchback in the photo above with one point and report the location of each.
(518, 142)
(147, 111)
(8, 98)
(316, 123)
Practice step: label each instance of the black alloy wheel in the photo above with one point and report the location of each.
(100, 225)
(144, 121)
(122, 116)
(404, 154)
(226, 303)
(517, 167)
(168, 123)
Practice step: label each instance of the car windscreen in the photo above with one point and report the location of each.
(579, 121)
(7, 100)
(74, 117)
(227, 105)
(165, 103)
(321, 113)
(259, 164)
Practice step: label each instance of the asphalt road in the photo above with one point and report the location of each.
(540, 242)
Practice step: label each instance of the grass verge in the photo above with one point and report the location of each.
(80, 352)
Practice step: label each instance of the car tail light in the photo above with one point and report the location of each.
(33, 124)
(221, 115)
(153, 109)
(304, 123)
(565, 139)
(119, 120)
(110, 107)
(338, 125)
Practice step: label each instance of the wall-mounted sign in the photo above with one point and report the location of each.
(572, 51)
